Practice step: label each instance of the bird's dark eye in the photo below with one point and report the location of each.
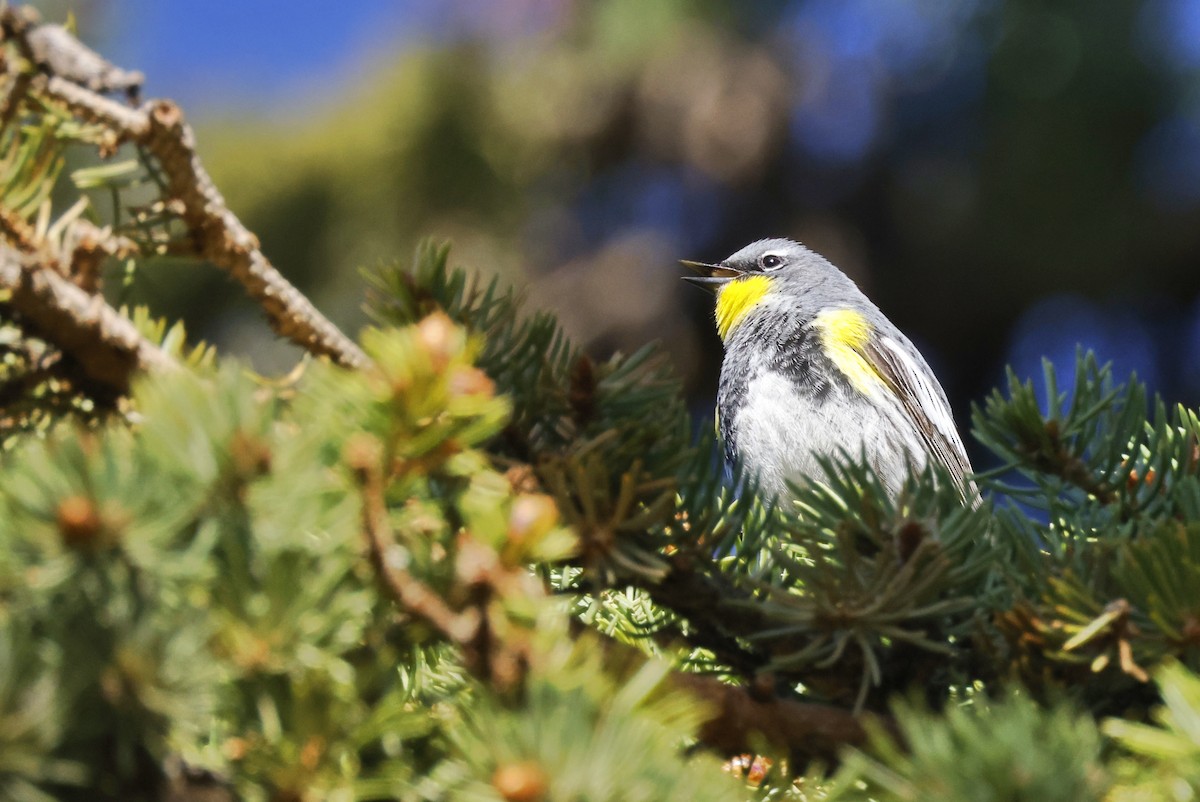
(770, 261)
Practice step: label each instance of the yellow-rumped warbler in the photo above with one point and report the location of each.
(813, 368)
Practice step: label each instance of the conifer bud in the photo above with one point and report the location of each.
(469, 381)
(79, 522)
(522, 479)
(250, 454)
(758, 771)
(438, 334)
(531, 517)
(362, 454)
(520, 782)
(908, 538)
(235, 748)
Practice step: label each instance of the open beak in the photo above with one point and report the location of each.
(712, 277)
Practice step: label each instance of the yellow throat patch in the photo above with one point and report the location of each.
(844, 334)
(736, 299)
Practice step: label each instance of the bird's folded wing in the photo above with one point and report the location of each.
(923, 403)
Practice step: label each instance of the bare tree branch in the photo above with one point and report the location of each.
(107, 346)
(57, 51)
(222, 239)
(72, 77)
(216, 232)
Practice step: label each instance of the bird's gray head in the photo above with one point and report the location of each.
(773, 256)
(768, 273)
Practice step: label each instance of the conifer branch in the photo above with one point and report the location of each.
(220, 237)
(214, 232)
(741, 716)
(55, 50)
(105, 344)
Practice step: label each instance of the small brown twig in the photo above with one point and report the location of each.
(17, 232)
(480, 577)
(408, 591)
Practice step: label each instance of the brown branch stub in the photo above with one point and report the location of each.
(16, 231)
(807, 731)
(107, 346)
(87, 247)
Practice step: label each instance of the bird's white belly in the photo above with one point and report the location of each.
(780, 432)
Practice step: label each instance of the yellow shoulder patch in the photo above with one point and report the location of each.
(844, 334)
(736, 299)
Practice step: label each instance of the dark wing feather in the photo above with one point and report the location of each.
(923, 401)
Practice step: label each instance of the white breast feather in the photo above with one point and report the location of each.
(779, 432)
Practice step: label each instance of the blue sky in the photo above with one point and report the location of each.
(211, 54)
